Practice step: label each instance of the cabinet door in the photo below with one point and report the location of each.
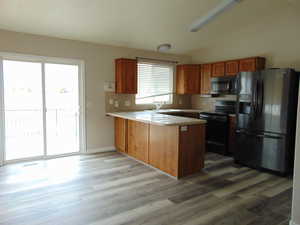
(188, 79)
(192, 149)
(180, 80)
(232, 68)
(163, 148)
(138, 134)
(131, 77)
(218, 69)
(120, 134)
(248, 65)
(205, 78)
(126, 76)
(192, 79)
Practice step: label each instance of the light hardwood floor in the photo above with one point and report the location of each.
(111, 189)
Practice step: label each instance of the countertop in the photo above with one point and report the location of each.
(154, 117)
(179, 110)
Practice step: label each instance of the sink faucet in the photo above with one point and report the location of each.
(158, 105)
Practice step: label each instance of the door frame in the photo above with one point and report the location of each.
(2, 117)
(81, 89)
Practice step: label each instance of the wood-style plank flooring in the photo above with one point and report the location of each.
(111, 189)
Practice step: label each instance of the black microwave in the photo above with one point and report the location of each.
(223, 85)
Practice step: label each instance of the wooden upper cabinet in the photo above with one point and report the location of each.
(218, 69)
(126, 76)
(252, 64)
(206, 70)
(188, 79)
(232, 67)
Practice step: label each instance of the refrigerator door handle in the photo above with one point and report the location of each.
(262, 97)
(254, 99)
(273, 137)
(257, 98)
(252, 102)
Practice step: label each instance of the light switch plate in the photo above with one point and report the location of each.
(111, 101)
(116, 104)
(109, 86)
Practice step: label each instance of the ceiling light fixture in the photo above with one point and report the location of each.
(224, 6)
(164, 47)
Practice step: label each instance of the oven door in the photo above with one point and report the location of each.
(216, 134)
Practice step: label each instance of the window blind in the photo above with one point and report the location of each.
(155, 82)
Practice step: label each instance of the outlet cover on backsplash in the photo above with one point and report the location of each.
(127, 103)
(116, 104)
(180, 101)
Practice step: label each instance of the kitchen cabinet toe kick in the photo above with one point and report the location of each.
(178, 151)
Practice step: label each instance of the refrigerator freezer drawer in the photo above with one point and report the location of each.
(273, 153)
(265, 151)
(247, 149)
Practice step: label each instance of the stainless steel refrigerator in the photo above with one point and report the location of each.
(266, 119)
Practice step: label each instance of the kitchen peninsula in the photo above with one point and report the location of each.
(172, 144)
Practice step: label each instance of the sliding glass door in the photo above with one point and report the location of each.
(40, 109)
(23, 109)
(62, 108)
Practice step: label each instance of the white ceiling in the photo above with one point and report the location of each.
(142, 24)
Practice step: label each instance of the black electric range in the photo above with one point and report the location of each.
(217, 128)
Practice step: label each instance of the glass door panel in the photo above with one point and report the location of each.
(23, 109)
(62, 108)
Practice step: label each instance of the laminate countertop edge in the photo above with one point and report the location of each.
(157, 118)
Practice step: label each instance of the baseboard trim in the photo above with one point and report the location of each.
(98, 150)
(292, 223)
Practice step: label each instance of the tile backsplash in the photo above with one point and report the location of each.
(207, 102)
(126, 102)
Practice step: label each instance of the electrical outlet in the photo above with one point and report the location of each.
(127, 103)
(183, 128)
(116, 104)
(111, 101)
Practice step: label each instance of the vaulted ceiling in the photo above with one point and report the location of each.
(142, 24)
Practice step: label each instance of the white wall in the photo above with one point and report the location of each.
(99, 67)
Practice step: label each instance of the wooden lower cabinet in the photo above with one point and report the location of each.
(164, 148)
(121, 134)
(177, 150)
(138, 140)
(191, 149)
